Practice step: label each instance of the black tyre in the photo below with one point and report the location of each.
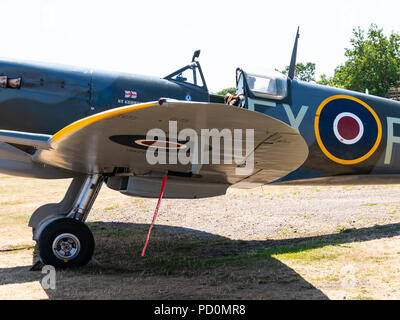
(66, 243)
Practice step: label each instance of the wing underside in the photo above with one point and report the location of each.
(117, 141)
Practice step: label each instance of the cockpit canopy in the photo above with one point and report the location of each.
(190, 80)
(191, 75)
(262, 86)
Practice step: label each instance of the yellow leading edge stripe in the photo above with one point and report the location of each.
(320, 143)
(97, 117)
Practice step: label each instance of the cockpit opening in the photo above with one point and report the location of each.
(252, 88)
(191, 74)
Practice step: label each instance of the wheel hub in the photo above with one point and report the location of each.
(66, 246)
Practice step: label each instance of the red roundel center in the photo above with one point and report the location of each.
(348, 128)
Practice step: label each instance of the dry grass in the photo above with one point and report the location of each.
(215, 253)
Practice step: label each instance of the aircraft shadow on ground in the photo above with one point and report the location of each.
(223, 258)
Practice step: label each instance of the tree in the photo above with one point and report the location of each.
(225, 91)
(373, 63)
(303, 72)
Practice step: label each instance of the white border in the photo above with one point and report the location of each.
(173, 145)
(339, 137)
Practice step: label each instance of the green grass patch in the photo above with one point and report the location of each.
(119, 251)
(115, 206)
(309, 252)
(342, 229)
(16, 248)
(186, 246)
(10, 203)
(331, 278)
(120, 233)
(23, 219)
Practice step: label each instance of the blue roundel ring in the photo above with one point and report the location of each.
(348, 131)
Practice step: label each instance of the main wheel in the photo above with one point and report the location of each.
(66, 243)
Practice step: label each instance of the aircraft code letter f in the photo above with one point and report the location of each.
(391, 139)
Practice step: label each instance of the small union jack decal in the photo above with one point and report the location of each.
(130, 94)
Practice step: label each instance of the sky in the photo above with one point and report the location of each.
(157, 37)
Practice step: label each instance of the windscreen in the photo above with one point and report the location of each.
(273, 87)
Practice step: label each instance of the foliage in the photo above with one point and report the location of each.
(303, 72)
(225, 91)
(373, 63)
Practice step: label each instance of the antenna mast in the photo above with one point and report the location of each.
(292, 66)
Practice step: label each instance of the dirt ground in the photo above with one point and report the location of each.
(306, 241)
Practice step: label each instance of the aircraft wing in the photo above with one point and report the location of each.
(117, 139)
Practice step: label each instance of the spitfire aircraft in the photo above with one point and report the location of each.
(63, 122)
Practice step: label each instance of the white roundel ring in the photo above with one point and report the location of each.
(160, 144)
(348, 128)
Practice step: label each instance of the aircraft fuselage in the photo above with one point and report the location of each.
(51, 97)
(346, 132)
(368, 144)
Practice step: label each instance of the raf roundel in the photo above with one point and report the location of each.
(348, 131)
(348, 128)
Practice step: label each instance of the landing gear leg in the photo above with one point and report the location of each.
(65, 240)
